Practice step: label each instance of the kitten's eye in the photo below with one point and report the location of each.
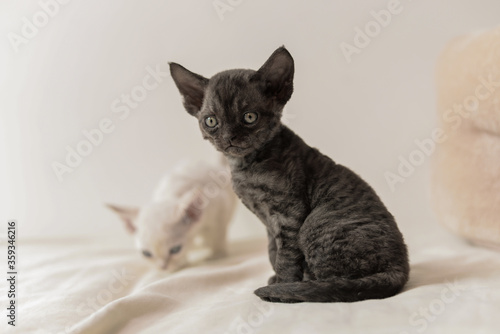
(147, 253)
(211, 121)
(176, 249)
(250, 117)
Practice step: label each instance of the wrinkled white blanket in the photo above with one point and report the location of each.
(103, 286)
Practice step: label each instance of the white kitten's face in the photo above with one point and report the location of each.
(162, 234)
(164, 230)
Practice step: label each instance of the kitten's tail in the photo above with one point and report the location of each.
(377, 286)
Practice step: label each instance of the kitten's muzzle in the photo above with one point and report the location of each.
(234, 147)
(164, 264)
(236, 150)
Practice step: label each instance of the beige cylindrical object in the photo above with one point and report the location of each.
(466, 165)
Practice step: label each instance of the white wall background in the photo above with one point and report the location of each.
(63, 80)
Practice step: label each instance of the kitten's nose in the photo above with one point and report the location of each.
(229, 138)
(164, 264)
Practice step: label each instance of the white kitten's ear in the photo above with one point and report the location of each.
(191, 86)
(194, 203)
(127, 214)
(277, 75)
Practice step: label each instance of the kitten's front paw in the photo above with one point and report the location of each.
(284, 279)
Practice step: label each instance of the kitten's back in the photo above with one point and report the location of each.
(184, 177)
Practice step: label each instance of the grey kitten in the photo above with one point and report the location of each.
(331, 239)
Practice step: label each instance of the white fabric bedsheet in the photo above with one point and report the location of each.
(103, 286)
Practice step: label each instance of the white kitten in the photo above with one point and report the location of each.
(191, 209)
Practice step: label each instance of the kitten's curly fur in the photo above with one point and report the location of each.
(331, 239)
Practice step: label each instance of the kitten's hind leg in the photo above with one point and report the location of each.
(308, 274)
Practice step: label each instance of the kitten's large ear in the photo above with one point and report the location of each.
(127, 214)
(277, 75)
(193, 204)
(191, 86)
